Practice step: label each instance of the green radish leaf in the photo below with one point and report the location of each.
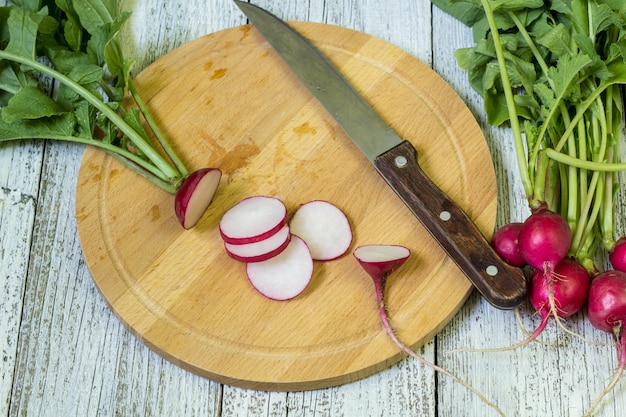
(30, 103)
(65, 60)
(113, 55)
(85, 117)
(23, 33)
(567, 73)
(12, 78)
(468, 12)
(72, 30)
(33, 5)
(556, 38)
(94, 14)
(42, 128)
(86, 74)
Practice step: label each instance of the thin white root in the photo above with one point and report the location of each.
(616, 376)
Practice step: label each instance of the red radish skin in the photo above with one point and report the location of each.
(253, 219)
(261, 250)
(284, 276)
(606, 310)
(379, 261)
(544, 239)
(195, 195)
(506, 243)
(618, 255)
(324, 228)
(560, 294)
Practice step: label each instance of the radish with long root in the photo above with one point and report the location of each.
(606, 310)
(379, 261)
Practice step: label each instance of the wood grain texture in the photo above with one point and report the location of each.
(108, 372)
(183, 296)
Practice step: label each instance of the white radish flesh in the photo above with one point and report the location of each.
(195, 195)
(324, 228)
(261, 250)
(252, 220)
(284, 276)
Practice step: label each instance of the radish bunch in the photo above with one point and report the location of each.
(559, 285)
(278, 251)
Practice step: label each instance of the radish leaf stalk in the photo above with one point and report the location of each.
(76, 45)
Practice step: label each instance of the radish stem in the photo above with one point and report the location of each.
(160, 163)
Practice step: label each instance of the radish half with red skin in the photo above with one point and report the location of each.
(506, 243)
(195, 195)
(253, 219)
(325, 229)
(261, 250)
(284, 276)
(606, 310)
(379, 261)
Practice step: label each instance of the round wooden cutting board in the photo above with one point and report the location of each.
(228, 101)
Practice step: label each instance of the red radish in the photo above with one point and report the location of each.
(324, 228)
(253, 219)
(544, 239)
(195, 195)
(261, 250)
(284, 276)
(618, 255)
(606, 310)
(379, 261)
(560, 294)
(506, 243)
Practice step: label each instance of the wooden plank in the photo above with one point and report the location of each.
(20, 164)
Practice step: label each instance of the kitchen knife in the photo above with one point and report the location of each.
(395, 159)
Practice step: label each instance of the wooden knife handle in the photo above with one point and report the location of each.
(501, 284)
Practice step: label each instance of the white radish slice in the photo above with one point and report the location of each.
(284, 276)
(381, 260)
(253, 219)
(324, 228)
(195, 195)
(261, 250)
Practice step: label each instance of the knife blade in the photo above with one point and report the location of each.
(395, 159)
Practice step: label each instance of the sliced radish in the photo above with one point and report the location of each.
(284, 276)
(324, 228)
(195, 195)
(261, 250)
(381, 260)
(253, 219)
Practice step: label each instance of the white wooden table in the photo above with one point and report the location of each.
(64, 354)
